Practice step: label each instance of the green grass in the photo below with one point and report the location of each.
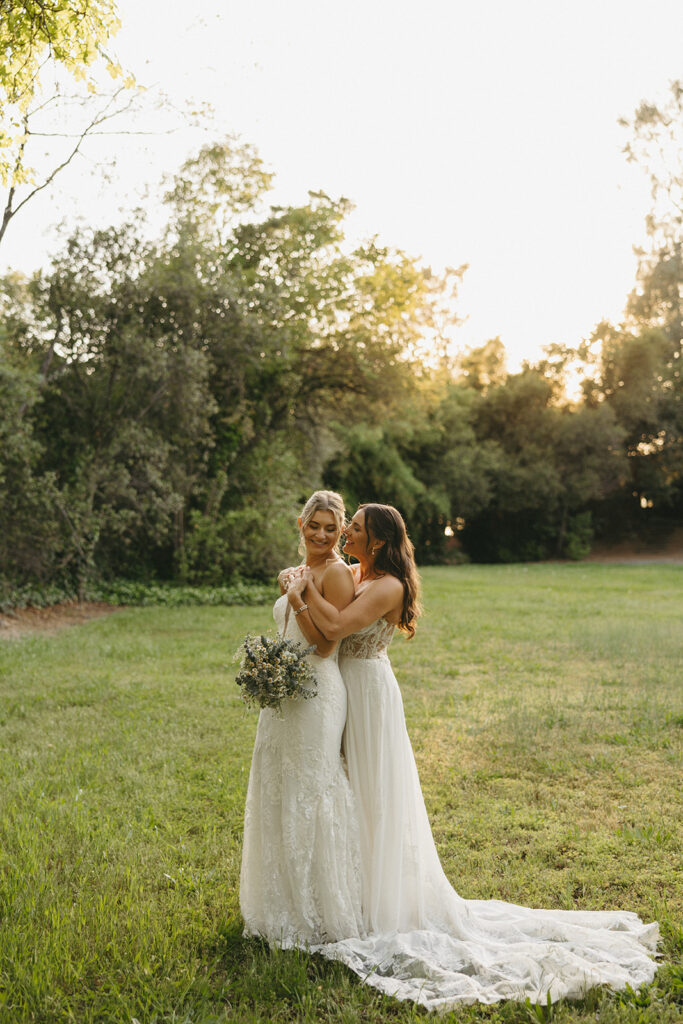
(544, 704)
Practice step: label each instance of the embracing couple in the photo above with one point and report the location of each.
(338, 853)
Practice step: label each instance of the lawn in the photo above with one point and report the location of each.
(545, 707)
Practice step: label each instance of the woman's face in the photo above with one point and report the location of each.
(321, 533)
(356, 542)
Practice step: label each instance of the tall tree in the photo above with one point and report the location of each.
(640, 363)
(30, 534)
(190, 390)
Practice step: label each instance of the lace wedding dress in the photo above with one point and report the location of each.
(423, 941)
(300, 876)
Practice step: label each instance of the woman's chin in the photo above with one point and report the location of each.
(319, 552)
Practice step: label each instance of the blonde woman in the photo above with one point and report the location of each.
(300, 877)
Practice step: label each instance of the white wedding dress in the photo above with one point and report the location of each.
(305, 877)
(423, 941)
(300, 876)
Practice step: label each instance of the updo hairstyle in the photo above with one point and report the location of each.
(322, 501)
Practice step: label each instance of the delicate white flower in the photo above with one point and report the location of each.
(274, 669)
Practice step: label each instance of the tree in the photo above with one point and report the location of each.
(546, 463)
(35, 34)
(192, 389)
(122, 407)
(655, 144)
(484, 367)
(30, 537)
(639, 380)
(426, 460)
(42, 44)
(639, 363)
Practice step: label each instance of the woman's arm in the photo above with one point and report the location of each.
(338, 588)
(379, 597)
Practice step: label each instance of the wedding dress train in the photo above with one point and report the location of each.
(300, 875)
(423, 941)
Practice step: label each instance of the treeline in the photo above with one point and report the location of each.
(166, 405)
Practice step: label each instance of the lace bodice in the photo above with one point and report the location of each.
(370, 642)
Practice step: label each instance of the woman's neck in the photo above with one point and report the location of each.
(314, 560)
(366, 571)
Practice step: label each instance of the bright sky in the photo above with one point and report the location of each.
(465, 132)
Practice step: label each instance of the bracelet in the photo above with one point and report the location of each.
(298, 611)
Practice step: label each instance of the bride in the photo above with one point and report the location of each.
(299, 882)
(422, 940)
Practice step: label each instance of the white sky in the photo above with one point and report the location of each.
(482, 132)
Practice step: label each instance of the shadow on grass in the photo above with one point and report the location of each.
(269, 984)
(260, 984)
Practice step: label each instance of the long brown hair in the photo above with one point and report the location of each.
(396, 557)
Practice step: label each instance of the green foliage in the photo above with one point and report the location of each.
(138, 594)
(27, 494)
(578, 536)
(544, 707)
(514, 469)
(35, 35)
(130, 592)
(14, 596)
(168, 405)
(257, 536)
(187, 391)
(214, 187)
(639, 364)
(654, 143)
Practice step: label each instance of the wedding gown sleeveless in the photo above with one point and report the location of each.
(423, 941)
(300, 874)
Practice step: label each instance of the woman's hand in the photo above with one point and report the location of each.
(297, 586)
(287, 576)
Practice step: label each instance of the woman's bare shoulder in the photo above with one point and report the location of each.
(387, 586)
(337, 568)
(390, 583)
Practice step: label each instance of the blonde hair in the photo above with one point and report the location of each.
(322, 501)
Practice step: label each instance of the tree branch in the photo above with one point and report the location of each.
(63, 135)
(105, 114)
(153, 401)
(8, 212)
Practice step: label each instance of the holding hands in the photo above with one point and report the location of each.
(294, 580)
(287, 577)
(298, 582)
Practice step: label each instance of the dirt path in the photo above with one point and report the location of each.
(49, 620)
